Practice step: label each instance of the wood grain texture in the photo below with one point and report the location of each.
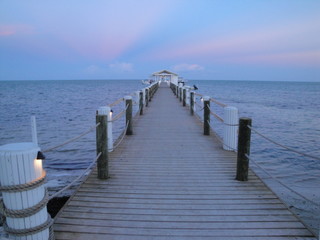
(169, 181)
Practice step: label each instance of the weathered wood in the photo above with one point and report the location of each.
(147, 97)
(169, 182)
(184, 96)
(141, 102)
(102, 144)
(128, 100)
(243, 149)
(206, 115)
(192, 103)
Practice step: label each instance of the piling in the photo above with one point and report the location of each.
(128, 102)
(141, 102)
(243, 149)
(206, 115)
(192, 103)
(102, 142)
(24, 194)
(147, 97)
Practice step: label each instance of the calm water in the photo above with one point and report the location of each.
(286, 112)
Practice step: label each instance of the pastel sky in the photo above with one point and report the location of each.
(274, 40)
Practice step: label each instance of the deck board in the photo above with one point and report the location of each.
(169, 181)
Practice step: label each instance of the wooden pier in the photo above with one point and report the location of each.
(169, 181)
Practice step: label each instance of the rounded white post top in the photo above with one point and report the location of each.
(230, 108)
(206, 98)
(104, 110)
(19, 147)
(127, 97)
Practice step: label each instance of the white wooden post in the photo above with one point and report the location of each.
(230, 129)
(188, 95)
(19, 166)
(34, 130)
(144, 96)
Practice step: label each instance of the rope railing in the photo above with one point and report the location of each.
(283, 146)
(119, 115)
(77, 178)
(218, 103)
(220, 139)
(116, 102)
(104, 128)
(217, 116)
(72, 139)
(280, 182)
(122, 137)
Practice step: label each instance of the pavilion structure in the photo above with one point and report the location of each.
(167, 76)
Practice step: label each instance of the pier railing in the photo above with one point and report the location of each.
(236, 135)
(24, 201)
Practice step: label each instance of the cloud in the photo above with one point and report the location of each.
(93, 69)
(121, 66)
(12, 29)
(187, 67)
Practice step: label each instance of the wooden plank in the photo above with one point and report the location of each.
(184, 232)
(169, 181)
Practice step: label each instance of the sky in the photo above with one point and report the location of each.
(269, 40)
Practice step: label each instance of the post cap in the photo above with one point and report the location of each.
(104, 110)
(206, 98)
(128, 98)
(19, 147)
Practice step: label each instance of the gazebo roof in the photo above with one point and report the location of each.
(164, 72)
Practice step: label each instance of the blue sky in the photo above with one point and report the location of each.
(276, 40)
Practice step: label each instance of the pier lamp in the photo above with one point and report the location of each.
(38, 163)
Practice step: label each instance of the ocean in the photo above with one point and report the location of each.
(287, 112)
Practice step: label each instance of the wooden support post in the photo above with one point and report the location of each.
(151, 93)
(180, 94)
(243, 149)
(206, 115)
(141, 102)
(184, 96)
(147, 97)
(129, 114)
(192, 103)
(102, 142)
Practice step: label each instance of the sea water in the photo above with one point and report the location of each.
(287, 112)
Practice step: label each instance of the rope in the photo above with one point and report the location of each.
(216, 116)
(25, 186)
(283, 146)
(280, 182)
(220, 138)
(27, 211)
(72, 139)
(76, 179)
(116, 102)
(200, 106)
(218, 103)
(119, 115)
(28, 231)
(123, 134)
(198, 94)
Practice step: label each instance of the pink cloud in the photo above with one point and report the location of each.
(286, 41)
(13, 29)
(304, 58)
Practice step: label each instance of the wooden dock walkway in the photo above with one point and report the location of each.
(169, 181)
